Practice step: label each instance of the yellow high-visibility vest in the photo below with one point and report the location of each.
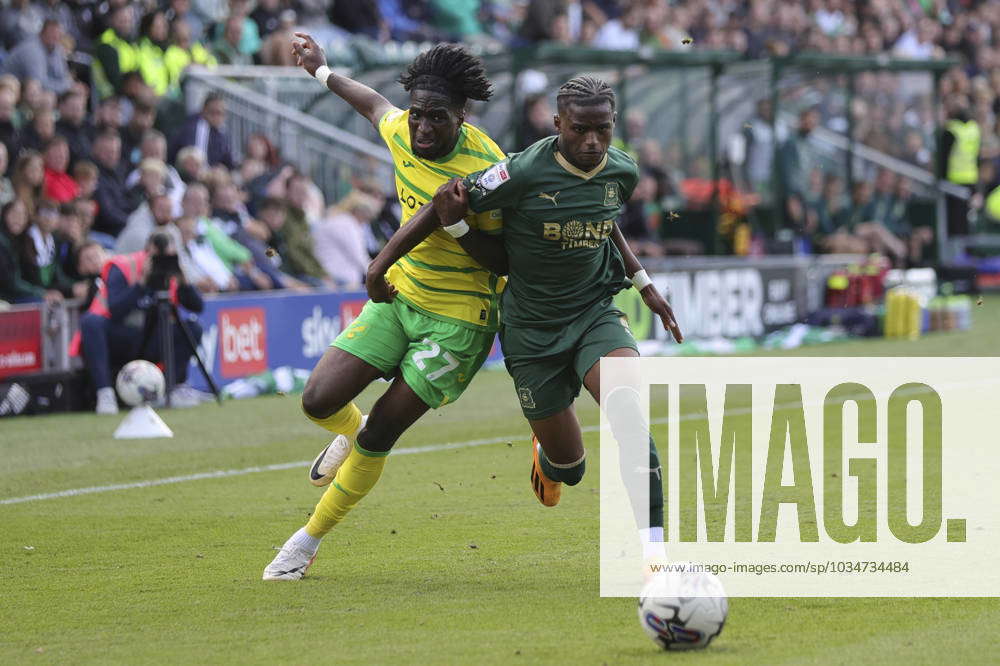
(153, 66)
(128, 61)
(963, 161)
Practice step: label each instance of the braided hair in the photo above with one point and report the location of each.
(586, 91)
(451, 70)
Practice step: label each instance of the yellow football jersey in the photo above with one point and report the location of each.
(437, 276)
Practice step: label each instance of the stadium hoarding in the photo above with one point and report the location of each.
(21, 340)
(732, 297)
(846, 477)
(244, 334)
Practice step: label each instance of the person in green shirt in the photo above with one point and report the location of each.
(565, 258)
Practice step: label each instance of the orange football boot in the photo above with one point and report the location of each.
(546, 490)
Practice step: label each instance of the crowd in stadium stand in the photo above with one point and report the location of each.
(96, 149)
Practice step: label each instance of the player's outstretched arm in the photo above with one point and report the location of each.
(310, 56)
(421, 225)
(451, 201)
(650, 294)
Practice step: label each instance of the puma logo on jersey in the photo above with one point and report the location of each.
(550, 197)
(408, 163)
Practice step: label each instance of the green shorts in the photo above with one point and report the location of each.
(436, 358)
(548, 364)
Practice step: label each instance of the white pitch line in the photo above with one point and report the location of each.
(224, 473)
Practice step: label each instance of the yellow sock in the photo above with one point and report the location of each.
(354, 479)
(346, 421)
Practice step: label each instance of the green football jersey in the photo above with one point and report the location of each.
(557, 230)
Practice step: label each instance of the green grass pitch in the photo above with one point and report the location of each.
(449, 561)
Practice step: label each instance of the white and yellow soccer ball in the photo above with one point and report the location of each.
(140, 383)
(683, 609)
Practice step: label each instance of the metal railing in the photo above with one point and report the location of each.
(331, 156)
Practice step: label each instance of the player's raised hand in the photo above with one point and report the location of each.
(308, 54)
(451, 202)
(379, 289)
(654, 301)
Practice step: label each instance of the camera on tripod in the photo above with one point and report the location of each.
(164, 267)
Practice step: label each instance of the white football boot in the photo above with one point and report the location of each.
(329, 460)
(291, 562)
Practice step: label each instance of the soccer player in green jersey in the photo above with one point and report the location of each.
(565, 258)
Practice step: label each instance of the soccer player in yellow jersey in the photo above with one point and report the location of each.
(431, 323)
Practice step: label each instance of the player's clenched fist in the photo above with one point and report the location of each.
(451, 202)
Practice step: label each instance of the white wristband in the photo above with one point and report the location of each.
(458, 229)
(640, 280)
(323, 73)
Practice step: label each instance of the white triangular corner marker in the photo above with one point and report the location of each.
(142, 423)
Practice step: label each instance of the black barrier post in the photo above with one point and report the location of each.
(850, 132)
(941, 211)
(713, 152)
(777, 190)
(165, 330)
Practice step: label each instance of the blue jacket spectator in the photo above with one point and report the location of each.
(204, 131)
(114, 204)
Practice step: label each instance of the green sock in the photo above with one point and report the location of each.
(569, 474)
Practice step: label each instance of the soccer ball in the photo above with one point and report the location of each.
(140, 383)
(683, 610)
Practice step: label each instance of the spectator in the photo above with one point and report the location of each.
(41, 129)
(89, 260)
(536, 121)
(28, 179)
(275, 51)
(108, 115)
(122, 325)
(59, 11)
(249, 42)
(154, 146)
(959, 163)
(180, 12)
(18, 20)
(227, 45)
(6, 188)
(153, 33)
(14, 288)
(799, 156)
(10, 136)
(40, 263)
(267, 16)
(70, 237)
(191, 164)
(457, 19)
(621, 33)
(264, 239)
(299, 258)
(756, 154)
(114, 204)
(342, 238)
(72, 124)
(42, 58)
(86, 174)
(59, 186)
(204, 131)
(184, 50)
(143, 119)
(637, 222)
(360, 17)
(154, 214)
(206, 267)
(860, 220)
(116, 54)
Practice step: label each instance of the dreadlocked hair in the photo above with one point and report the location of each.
(586, 91)
(449, 69)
